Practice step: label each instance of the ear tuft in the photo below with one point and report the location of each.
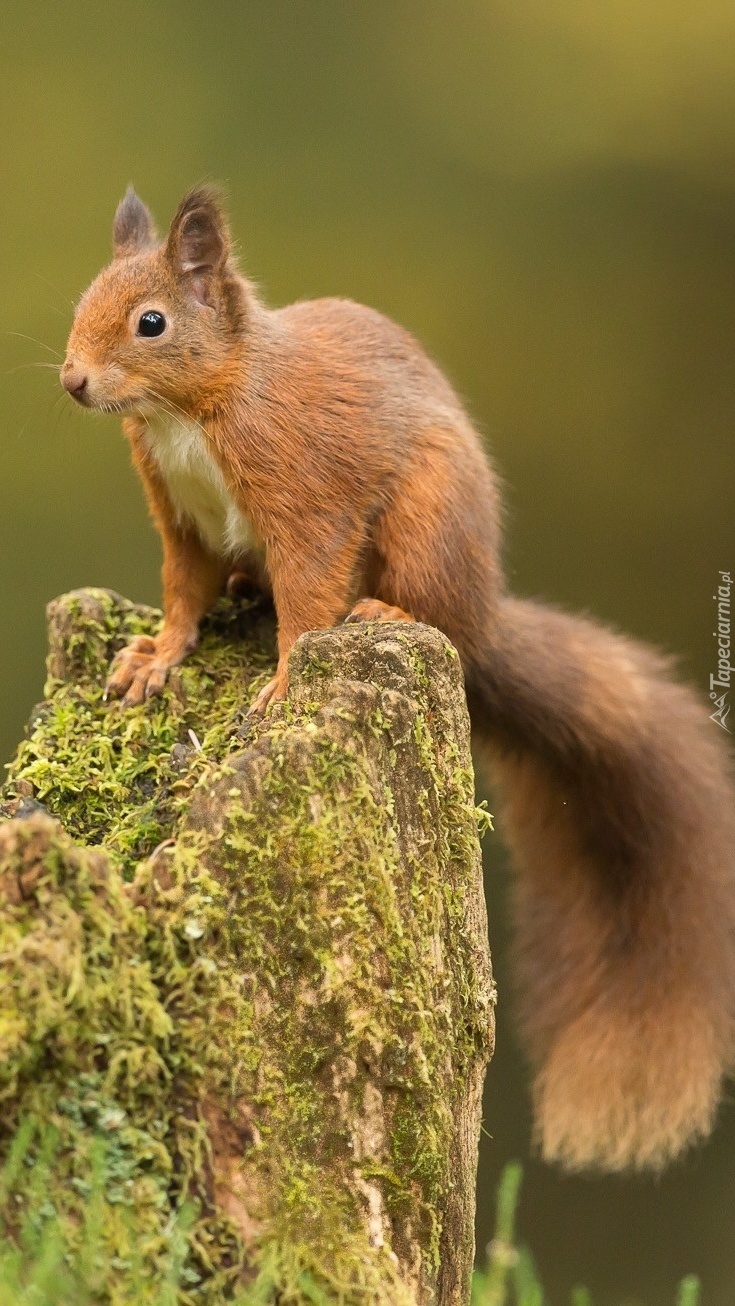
(133, 230)
(199, 244)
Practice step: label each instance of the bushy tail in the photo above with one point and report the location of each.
(618, 806)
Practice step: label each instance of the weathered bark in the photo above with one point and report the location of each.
(254, 957)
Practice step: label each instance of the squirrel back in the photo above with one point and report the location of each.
(318, 450)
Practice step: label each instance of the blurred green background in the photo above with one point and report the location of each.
(545, 195)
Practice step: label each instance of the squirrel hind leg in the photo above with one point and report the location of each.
(240, 585)
(376, 610)
(247, 579)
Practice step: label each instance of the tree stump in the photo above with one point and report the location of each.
(245, 993)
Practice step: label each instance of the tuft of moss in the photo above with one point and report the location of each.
(264, 1001)
(120, 778)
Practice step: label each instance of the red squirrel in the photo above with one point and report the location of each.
(317, 449)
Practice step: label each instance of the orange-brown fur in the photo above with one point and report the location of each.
(365, 490)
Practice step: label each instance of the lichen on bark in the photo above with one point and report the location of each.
(253, 961)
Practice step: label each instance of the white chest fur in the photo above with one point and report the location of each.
(196, 486)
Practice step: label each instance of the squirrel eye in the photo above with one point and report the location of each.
(151, 324)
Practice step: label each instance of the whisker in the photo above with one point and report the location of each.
(21, 336)
(174, 410)
(56, 291)
(62, 412)
(55, 367)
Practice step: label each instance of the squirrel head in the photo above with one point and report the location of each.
(165, 323)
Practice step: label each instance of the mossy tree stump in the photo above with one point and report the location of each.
(252, 959)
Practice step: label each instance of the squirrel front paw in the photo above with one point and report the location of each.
(137, 672)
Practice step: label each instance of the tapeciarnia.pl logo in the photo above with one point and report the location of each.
(724, 670)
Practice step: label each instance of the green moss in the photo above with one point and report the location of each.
(120, 778)
(279, 960)
(90, 1046)
(344, 855)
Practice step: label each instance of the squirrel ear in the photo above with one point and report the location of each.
(133, 229)
(199, 243)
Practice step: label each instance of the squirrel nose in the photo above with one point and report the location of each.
(74, 380)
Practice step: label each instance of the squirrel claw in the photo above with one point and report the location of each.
(136, 673)
(271, 693)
